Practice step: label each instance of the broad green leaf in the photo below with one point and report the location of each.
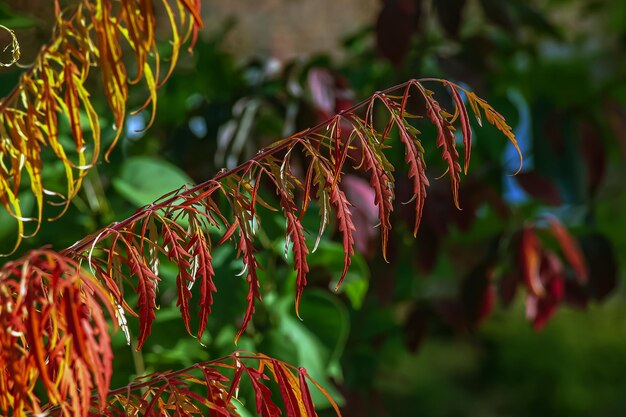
(144, 179)
(329, 256)
(315, 343)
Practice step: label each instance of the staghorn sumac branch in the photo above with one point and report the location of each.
(212, 387)
(136, 241)
(93, 33)
(179, 225)
(55, 334)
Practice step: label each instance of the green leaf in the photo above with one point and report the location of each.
(14, 20)
(144, 179)
(316, 343)
(329, 255)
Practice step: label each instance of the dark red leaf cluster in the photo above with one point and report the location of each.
(550, 276)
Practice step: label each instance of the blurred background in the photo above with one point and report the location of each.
(446, 328)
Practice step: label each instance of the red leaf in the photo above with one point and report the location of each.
(231, 229)
(176, 253)
(445, 140)
(346, 227)
(333, 404)
(247, 250)
(203, 262)
(570, 248)
(417, 172)
(465, 125)
(540, 310)
(530, 261)
(306, 394)
(300, 251)
(295, 233)
(413, 155)
(380, 182)
(193, 6)
(146, 290)
(264, 404)
(286, 390)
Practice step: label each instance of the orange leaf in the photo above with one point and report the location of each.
(570, 248)
(530, 260)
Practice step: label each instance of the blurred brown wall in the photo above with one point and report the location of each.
(280, 28)
(288, 28)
